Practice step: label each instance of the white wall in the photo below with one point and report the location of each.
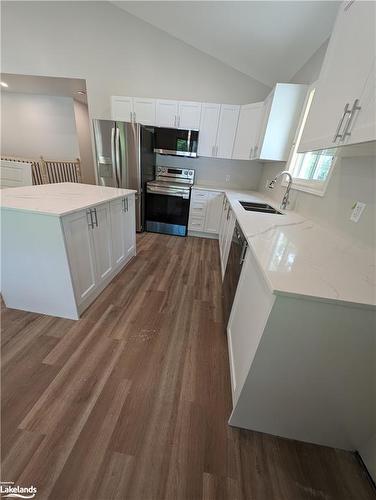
(214, 172)
(36, 125)
(84, 141)
(310, 71)
(117, 54)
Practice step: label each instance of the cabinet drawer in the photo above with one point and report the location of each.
(199, 212)
(196, 223)
(199, 195)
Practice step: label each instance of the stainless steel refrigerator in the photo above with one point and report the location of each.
(125, 158)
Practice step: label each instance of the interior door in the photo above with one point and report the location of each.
(208, 129)
(144, 111)
(228, 122)
(79, 241)
(102, 241)
(167, 113)
(122, 108)
(189, 115)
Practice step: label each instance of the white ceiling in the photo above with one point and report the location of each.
(267, 40)
(44, 85)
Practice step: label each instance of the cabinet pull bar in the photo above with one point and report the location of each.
(346, 130)
(96, 218)
(338, 134)
(89, 223)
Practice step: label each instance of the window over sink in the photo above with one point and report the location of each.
(311, 171)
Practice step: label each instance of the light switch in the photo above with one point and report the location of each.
(357, 211)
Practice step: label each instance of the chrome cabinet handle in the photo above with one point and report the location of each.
(212, 150)
(89, 223)
(134, 116)
(250, 153)
(255, 152)
(346, 130)
(338, 134)
(94, 211)
(228, 213)
(242, 255)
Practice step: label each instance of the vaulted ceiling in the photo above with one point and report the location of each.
(267, 40)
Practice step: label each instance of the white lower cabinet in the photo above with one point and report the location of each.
(99, 241)
(80, 246)
(102, 241)
(123, 230)
(205, 211)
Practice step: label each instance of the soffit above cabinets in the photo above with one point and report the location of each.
(268, 41)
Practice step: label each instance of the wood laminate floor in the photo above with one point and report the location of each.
(132, 400)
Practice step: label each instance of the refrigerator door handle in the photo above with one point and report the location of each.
(113, 155)
(117, 157)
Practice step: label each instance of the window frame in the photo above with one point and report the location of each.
(311, 186)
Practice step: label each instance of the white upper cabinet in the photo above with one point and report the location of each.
(228, 121)
(189, 115)
(207, 137)
(247, 131)
(144, 110)
(122, 108)
(343, 108)
(167, 113)
(280, 117)
(133, 109)
(217, 130)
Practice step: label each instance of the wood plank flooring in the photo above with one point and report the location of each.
(132, 400)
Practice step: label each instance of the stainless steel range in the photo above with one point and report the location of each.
(167, 200)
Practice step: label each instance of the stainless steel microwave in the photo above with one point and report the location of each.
(177, 142)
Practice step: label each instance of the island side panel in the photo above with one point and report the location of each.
(35, 270)
(313, 375)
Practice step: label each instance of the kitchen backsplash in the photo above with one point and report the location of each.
(237, 174)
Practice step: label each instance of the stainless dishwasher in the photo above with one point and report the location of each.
(234, 266)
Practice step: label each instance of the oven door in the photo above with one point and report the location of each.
(167, 212)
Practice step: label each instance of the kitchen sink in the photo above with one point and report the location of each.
(259, 207)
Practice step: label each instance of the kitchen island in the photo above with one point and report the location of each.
(62, 244)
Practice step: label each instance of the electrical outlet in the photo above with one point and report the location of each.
(357, 210)
(228, 178)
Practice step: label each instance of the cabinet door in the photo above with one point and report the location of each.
(208, 129)
(265, 112)
(102, 240)
(122, 108)
(189, 115)
(213, 212)
(117, 231)
(229, 229)
(222, 226)
(247, 131)
(363, 126)
(228, 122)
(130, 226)
(346, 66)
(144, 111)
(167, 113)
(79, 242)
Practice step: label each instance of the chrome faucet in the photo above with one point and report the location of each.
(285, 200)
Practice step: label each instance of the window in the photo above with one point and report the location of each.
(311, 171)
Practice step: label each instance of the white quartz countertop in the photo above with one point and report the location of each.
(58, 199)
(301, 258)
